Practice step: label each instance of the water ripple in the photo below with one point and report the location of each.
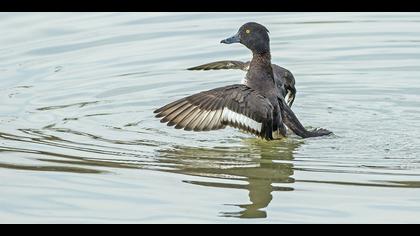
(79, 141)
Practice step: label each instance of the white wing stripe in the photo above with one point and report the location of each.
(231, 116)
(286, 98)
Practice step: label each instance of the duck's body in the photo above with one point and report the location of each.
(284, 78)
(255, 106)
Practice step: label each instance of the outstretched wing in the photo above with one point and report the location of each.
(220, 65)
(285, 79)
(236, 105)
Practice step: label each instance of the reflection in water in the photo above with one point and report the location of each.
(260, 164)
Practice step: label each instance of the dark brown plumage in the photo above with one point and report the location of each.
(284, 78)
(257, 106)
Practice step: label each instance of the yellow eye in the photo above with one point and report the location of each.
(248, 31)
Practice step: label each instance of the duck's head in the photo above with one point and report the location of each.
(253, 35)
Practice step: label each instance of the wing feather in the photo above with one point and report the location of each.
(237, 105)
(222, 65)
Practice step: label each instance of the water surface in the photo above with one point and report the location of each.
(79, 142)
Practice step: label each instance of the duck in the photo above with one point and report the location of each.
(285, 80)
(254, 106)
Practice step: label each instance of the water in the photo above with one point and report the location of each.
(79, 142)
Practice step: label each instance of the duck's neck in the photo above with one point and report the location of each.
(261, 63)
(260, 73)
(261, 59)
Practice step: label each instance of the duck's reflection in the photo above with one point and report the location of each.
(259, 167)
(262, 165)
